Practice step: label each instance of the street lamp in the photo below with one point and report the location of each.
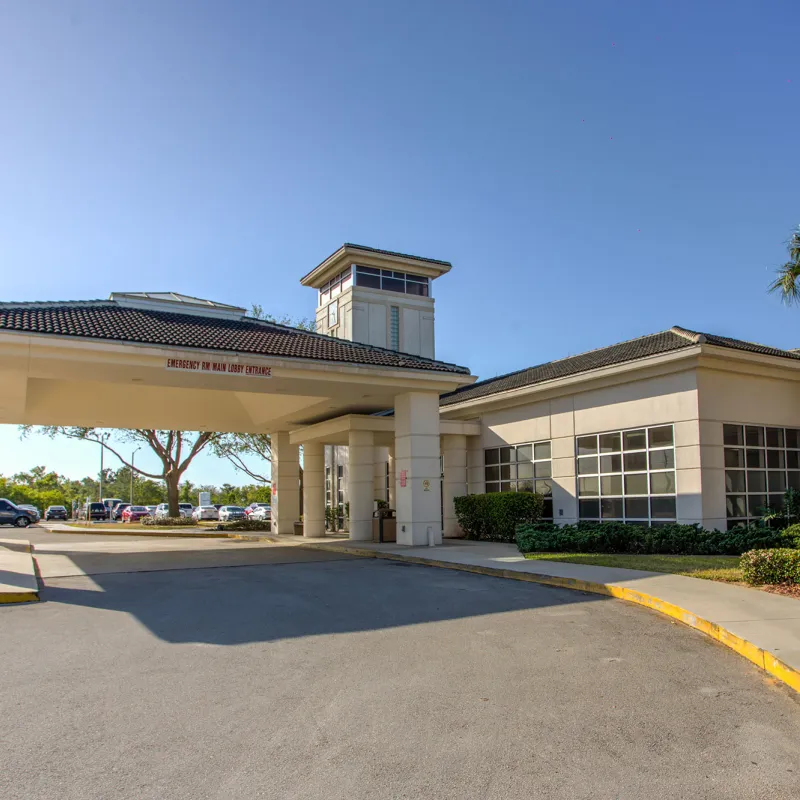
(103, 438)
(133, 455)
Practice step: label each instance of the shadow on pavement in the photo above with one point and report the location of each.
(263, 603)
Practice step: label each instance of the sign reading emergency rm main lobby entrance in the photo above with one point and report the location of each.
(218, 367)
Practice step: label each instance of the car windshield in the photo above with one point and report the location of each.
(185, 505)
(97, 507)
(234, 508)
(137, 508)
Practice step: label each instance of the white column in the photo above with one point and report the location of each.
(314, 489)
(454, 458)
(418, 481)
(392, 477)
(360, 484)
(285, 484)
(379, 458)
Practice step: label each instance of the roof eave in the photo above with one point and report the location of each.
(349, 253)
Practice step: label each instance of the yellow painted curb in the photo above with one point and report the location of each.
(761, 658)
(18, 597)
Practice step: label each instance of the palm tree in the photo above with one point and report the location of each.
(788, 280)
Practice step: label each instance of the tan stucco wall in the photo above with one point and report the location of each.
(734, 397)
(665, 399)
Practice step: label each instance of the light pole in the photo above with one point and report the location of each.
(133, 455)
(104, 437)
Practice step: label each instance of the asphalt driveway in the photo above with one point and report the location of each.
(357, 678)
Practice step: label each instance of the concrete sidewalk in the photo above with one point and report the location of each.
(763, 627)
(18, 583)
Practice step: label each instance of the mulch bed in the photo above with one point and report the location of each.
(787, 589)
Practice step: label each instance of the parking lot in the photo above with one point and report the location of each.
(221, 669)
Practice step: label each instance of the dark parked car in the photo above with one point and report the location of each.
(11, 514)
(95, 511)
(55, 512)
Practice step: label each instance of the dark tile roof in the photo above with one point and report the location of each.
(105, 319)
(675, 338)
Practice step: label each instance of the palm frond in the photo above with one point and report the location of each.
(787, 283)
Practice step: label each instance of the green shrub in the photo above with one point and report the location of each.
(779, 565)
(167, 522)
(791, 536)
(619, 537)
(247, 525)
(493, 517)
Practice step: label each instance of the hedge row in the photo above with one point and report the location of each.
(780, 565)
(167, 522)
(247, 525)
(618, 537)
(494, 517)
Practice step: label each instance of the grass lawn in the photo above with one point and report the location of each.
(713, 568)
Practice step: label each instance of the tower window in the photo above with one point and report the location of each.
(394, 327)
(391, 281)
(333, 314)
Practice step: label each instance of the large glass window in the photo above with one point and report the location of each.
(392, 281)
(627, 475)
(336, 285)
(761, 463)
(521, 468)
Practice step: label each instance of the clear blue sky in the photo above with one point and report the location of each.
(594, 171)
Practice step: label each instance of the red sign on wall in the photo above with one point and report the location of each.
(403, 477)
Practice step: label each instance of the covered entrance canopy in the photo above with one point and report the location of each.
(143, 361)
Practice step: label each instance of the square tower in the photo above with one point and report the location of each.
(377, 297)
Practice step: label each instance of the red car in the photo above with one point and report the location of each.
(134, 513)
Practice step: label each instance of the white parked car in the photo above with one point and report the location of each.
(205, 512)
(163, 510)
(230, 513)
(262, 511)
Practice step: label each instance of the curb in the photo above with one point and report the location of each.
(172, 533)
(7, 598)
(23, 596)
(763, 659)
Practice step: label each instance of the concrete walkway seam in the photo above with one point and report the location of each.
(763, 659)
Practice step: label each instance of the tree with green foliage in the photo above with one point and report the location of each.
(787, 282)
(175, 449)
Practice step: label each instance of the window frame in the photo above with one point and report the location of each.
(390, 275)
(754, 439)
(511, 483)
(621, 441)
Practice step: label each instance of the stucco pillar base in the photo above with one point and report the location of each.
(360, 484)
(454, 460)
(417, 466)
(314, 489)
(285, 484)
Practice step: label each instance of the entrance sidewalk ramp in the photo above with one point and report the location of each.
(762, 627)
(18, 583)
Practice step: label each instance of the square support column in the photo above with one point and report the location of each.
(314, 489)
(360, 485)
(285, 484)
(454, 459)
(418, 482)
